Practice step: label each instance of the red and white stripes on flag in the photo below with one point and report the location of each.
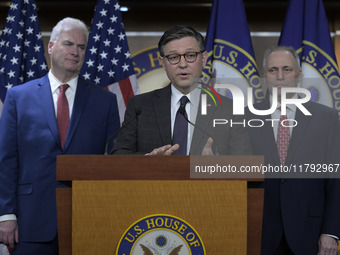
(124, 89)
(108, 60)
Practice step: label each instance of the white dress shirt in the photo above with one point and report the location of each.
(70, 92)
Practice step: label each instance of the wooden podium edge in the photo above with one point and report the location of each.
(142, 168)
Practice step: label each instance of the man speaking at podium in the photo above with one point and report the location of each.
(158, 121)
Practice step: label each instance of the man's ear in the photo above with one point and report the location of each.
(204, 58)
(49, 47)
(161, 60)
(300, 74)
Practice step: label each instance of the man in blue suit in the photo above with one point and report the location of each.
(31, 139)
(300, 215)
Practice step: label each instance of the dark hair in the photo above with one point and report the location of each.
(178, 32)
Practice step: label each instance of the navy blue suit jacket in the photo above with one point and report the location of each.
(303, 209)
(29, 145)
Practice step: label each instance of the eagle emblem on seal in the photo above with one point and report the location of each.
(174, 251)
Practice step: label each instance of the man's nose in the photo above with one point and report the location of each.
(280, 74)
(75, 51)
(182, 62)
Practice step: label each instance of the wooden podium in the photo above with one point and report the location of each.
(110, 193)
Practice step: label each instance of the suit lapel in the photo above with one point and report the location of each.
(80, 100)
(199, 138)
(267, 132)
(298, 133)
(47, 106)
(162, 107)
(271, 144)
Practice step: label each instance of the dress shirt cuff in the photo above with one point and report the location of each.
(6, 217)
(333, 236)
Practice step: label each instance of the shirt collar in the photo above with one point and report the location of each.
(290, 107)
(55, 83)
(193, 96)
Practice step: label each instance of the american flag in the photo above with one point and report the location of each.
(107, 60)
(21, 47)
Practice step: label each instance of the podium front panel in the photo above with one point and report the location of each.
(102, 211)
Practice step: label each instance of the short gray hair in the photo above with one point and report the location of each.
(68, 24)
(280, 48)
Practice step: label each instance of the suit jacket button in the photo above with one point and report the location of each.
(283, 181)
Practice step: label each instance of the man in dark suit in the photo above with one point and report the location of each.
(153, 115)
(300, 215)
(31, 137)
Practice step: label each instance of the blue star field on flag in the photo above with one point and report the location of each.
(21, 47)
(107, 60)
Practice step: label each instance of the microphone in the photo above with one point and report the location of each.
(125, 123)
(184, 113)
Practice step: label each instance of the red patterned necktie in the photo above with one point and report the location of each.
(63, 116)
(283, 136)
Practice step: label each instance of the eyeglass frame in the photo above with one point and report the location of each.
(183, 55)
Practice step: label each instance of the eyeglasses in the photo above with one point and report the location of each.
(190, 57)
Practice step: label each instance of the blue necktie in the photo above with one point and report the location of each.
(180, 135)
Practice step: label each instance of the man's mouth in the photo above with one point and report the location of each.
(73, 60)
(183, 75)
